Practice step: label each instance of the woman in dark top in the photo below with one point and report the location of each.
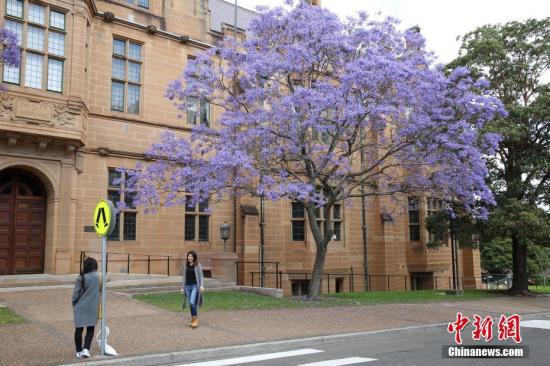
(85, 306)
(192, 285)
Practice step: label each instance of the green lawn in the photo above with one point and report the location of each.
(236, 300)
(7, 316)
(540, 289)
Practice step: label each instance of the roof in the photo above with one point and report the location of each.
(223, 12)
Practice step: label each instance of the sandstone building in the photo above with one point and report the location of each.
(88, 98)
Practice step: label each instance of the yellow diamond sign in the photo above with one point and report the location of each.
(104, 218)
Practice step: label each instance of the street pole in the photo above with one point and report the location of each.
(262, 238)
(453, 252)
(103, 291)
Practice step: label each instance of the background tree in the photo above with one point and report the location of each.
(515, 58)
(9, 50)
(303, 98)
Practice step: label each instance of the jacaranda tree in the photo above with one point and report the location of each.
(303, 98)
(9, 50)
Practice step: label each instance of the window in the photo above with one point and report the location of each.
(126, 219)
(299, 287)
(141, 3)
(434, 205)
(197, 221)
(126, 77)
(414, 219)
(41, 36)
(198, 112)
(298, 222)
(336, 220)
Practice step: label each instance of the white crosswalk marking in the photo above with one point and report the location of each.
(340, 361)
(255, 358)
(542, 324)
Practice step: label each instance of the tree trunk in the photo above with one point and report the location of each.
(519, 267)
(315, 283)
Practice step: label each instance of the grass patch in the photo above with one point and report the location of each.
(7, 316)
(236, 300)
(396, 297)
(540, 289)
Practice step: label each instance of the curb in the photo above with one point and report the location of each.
(246, 349)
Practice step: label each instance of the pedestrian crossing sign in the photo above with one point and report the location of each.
(104, 218)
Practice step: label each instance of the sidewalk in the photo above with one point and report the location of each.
(138, 328)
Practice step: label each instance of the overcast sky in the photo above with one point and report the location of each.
(440, 21)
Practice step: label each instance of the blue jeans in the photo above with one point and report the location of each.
(192, 295)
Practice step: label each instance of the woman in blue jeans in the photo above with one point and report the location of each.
(192, 285)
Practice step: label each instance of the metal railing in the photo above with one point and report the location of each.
(139, 263)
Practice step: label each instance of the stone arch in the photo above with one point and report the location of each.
(49, 177)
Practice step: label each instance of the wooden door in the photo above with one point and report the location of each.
(22, 223)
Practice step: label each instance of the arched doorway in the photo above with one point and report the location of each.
(22, 222)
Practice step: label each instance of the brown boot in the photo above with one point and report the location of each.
(194, 322)
(190, 324)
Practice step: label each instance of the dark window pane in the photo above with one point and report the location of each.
(143, 3)
(414, 231)
(113, 196)
(191, 111)
(114, 178)
(119, 47)
(205, 113)
(413, 204)
(318, 213)
(129, 199)
(203, 228)
(134, 51)
(336, 212)
(118, 68)
(297, 210)
(414, 217)
(189, 207)
(115, 235)
(189, 227)
(117, 96)
(130, 226)
(203, 206)
(134, 72)
(338, 231)
(133, 98)
(298, 231)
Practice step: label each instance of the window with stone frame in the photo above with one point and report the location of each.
(197, 219)
(140, 3)
(414, 219)
(298, 221)
(434, 205)
(126, 78)
(198, 111)
(336, 220)
(126, 219)
(41, 31)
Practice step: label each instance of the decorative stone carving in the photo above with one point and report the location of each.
(6, 106)
(109, 17)
(63, 115)
(34, 110)
(151, 29)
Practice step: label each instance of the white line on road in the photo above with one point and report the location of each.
(255, 358)
(542, 324)
(340, 361)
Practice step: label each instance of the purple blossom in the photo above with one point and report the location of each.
(304, 96)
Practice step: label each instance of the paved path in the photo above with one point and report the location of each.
(393, 348)
(138, 328)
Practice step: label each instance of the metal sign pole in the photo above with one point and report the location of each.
(103, 292)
